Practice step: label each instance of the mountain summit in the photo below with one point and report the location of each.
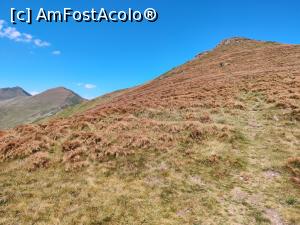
(9, 93)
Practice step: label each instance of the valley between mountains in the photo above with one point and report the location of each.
(213, 141)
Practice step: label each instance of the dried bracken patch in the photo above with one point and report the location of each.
(293, 165)
(2, 133)
(37, 161)
(170, 110)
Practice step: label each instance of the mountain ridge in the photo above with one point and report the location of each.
(27, 109)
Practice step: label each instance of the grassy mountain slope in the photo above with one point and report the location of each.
(27, 109)
(214, 141)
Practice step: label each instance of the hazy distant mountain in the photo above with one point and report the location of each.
(23, 108)
(9, 93)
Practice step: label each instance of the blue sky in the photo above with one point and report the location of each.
(97, 58)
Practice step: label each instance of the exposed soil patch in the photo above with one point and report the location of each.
(274, 217)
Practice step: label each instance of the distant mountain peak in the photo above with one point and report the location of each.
(13, 92)
(26, 109)
(60, 91)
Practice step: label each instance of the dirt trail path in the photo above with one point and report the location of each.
(260, 158)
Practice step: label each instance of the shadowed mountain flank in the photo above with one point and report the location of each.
(9, 93)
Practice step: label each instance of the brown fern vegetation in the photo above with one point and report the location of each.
(293, 165)
(177, 150)
(2, 133)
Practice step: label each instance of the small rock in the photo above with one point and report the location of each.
(270, 174)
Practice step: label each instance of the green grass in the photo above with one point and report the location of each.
(291, 200)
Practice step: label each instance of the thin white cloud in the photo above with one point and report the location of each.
(90, 86)
(13, 34)
(56, 52)
(27, 37)
(40, 43)
(87, 86)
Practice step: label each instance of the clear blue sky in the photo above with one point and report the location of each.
(114, 56)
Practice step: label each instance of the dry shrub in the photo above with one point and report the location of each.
(211, 160)
(26, 129)
(121, 126)
(174, 129)
(200, 132)
(281, 104)
(135, 142)
(293, 165)
(271, 100)
(92, 119)
(191, 116)
(80, 125)
(225, 133)
(22, 147)
(114, 151)
(79, 147)
(91, 138)
(70, 145)
(205, 118)
(7, 149)
(239, 105)
(36, 146)
(296, 114)
(166, 138)
(105, 143)
(295, 96)
(197, 133)
(2, 134)
(215, 110)
(62, 131)
(55, 136)
(214, 159)
(76, 165)
(74, 156)
(37, 161)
